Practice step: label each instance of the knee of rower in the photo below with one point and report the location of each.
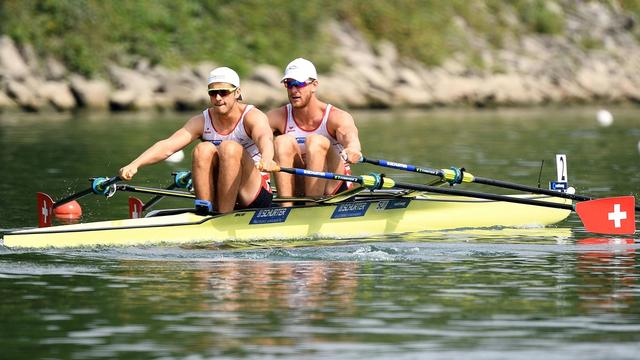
(230, 149)
(204, 151)
(285, 145)
(316, 143)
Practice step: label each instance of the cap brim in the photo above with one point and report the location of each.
(295, 75)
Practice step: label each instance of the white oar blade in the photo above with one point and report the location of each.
(615, 215)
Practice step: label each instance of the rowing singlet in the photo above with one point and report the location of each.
(239, 134)
(300, 134)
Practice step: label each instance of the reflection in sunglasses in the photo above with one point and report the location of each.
(221, 92)
(299, 84)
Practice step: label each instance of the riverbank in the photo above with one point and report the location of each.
(594, 59)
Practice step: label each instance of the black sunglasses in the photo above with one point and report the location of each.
(221, 92)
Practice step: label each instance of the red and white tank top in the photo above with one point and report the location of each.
(238, 134)
(301, 135)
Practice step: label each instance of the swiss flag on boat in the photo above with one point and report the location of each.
(614, 215)
(45, 210)
(136, 207)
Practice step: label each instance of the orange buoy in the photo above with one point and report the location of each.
(68, 211)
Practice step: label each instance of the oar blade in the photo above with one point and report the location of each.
(614, 215)
(45, 210)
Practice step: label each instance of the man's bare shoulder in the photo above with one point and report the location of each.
(277, 119)
(277, 113)
(255, 114)
(339, 115)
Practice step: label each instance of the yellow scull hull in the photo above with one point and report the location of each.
(357, 219)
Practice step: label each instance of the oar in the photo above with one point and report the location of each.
(98, 186)
(155, 191)
(181, 179)
(594, 214)
(456, 175)
(46, 204)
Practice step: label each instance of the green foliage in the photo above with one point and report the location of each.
(420, 27)
(87, 34)
(539, 16)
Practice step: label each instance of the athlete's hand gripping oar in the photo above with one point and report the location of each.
(46, 204)
(456, 176)
(594, 220)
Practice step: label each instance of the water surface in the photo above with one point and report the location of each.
(476, 294)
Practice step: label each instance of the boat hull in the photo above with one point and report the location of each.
(353, 219)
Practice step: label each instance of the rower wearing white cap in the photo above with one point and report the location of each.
(312, 135)
(235, 141)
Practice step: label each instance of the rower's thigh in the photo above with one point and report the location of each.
(335, 164)
(250, 174)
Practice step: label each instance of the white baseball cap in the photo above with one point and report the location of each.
(223, 75)
(301, 70)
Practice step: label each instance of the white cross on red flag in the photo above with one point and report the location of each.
(45, 210)
(615, 215)
(135, 208)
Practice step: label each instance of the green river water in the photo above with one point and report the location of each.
(557, 293)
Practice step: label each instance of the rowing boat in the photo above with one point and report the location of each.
(368, 215)
(376, 206)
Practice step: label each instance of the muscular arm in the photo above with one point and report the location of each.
(258, 128)
(346, 134)
(164, 148)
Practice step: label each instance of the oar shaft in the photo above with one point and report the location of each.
(406, 167)
(532, 189)
(182, 179)
(388, 182)
(85, 192)
(154, 200)
(321, 174)
(535, 190)
(474, 194)
(155, 191)
(480, 180)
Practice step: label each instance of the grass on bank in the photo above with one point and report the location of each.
(86, 34)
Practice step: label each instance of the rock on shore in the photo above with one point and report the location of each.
(529, 70)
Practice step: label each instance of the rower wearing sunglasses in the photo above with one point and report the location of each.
(311, 134)
(235, 141)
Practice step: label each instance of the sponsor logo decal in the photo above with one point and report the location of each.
(351, 209)
(270, 216)
(393, 204)
(397, 165)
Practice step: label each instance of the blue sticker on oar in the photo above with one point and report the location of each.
(270, 216)
(350, 209)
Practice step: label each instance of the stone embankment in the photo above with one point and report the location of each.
(527, 70)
